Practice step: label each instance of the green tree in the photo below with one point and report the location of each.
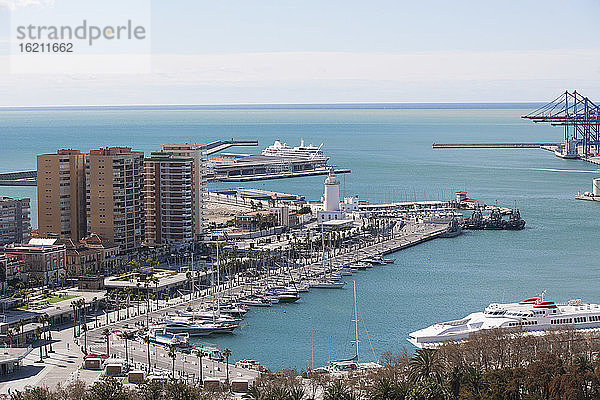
(338, 390)
(38, 334)
(126, 336)
(107, 388)
(387, 389)
(425, 364)
(227, 353)
(147, 342)
(172, 353)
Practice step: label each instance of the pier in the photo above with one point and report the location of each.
(19, 178)
(187, 364)
(493, 145)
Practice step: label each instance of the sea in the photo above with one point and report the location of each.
(389, 150)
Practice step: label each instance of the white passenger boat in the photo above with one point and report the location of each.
(530, 315)
(279, 149)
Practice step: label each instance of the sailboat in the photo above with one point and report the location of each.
(325, 283)
(352, 363)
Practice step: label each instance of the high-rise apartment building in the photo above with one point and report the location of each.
(197, 152)
(168, 199)
(61, 194)
(14, 220)
(115, 199)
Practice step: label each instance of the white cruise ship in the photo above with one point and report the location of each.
(279, 149)
(529, 315)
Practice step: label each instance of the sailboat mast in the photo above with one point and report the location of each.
(355, 322)
(323, 242)
(218, 282)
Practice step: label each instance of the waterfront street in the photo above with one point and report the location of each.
(64, 364)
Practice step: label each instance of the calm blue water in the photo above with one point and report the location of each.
(390, 154)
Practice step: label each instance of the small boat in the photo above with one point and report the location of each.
(256, 302)
(196, 328)
(208, 316)
(162, 337)
(288, 297)
(250, 364)
(373, 260)
(303, 288)
(359, 266)
(327, 285)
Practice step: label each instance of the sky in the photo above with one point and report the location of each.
(309, 51)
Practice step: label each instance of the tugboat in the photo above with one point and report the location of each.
(454, 229)
(494, 221)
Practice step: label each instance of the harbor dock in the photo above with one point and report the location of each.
(187, 364)
(493, 145)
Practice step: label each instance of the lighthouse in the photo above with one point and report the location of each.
(331, 199)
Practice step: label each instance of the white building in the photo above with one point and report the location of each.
(349, 205)
(331, 201)
(331, 198)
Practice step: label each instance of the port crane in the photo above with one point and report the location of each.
(580, 119)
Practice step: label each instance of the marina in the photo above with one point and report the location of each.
(259, 335)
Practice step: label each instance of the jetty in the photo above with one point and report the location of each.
(494, 145)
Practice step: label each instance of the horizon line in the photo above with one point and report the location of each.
(233, 106)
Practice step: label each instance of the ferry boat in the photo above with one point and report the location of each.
(279, 149)
(530, 315)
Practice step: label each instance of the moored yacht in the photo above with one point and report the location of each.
(529, 315)
(195, 327)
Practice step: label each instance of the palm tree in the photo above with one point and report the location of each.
(172, 353)
(74, 306)
(85, 329)
(42, 320)
(425, 365)
(38, 334)
(253, 393)
(147, 341)
(337, 391)
(386, 389)
(188, 276)
(106, 334)
(155, 280)
(126, 336)
(137, 296)
(298, 393)
(21, 326)
(227, 353)
(95, 307)
(455, 377)
(147, 286)
(17, 333)
(10, 335)
(199, 353)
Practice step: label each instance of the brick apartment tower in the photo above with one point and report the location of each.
(168, 199)
(197, 152)
(115, 199)
(61, 194)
